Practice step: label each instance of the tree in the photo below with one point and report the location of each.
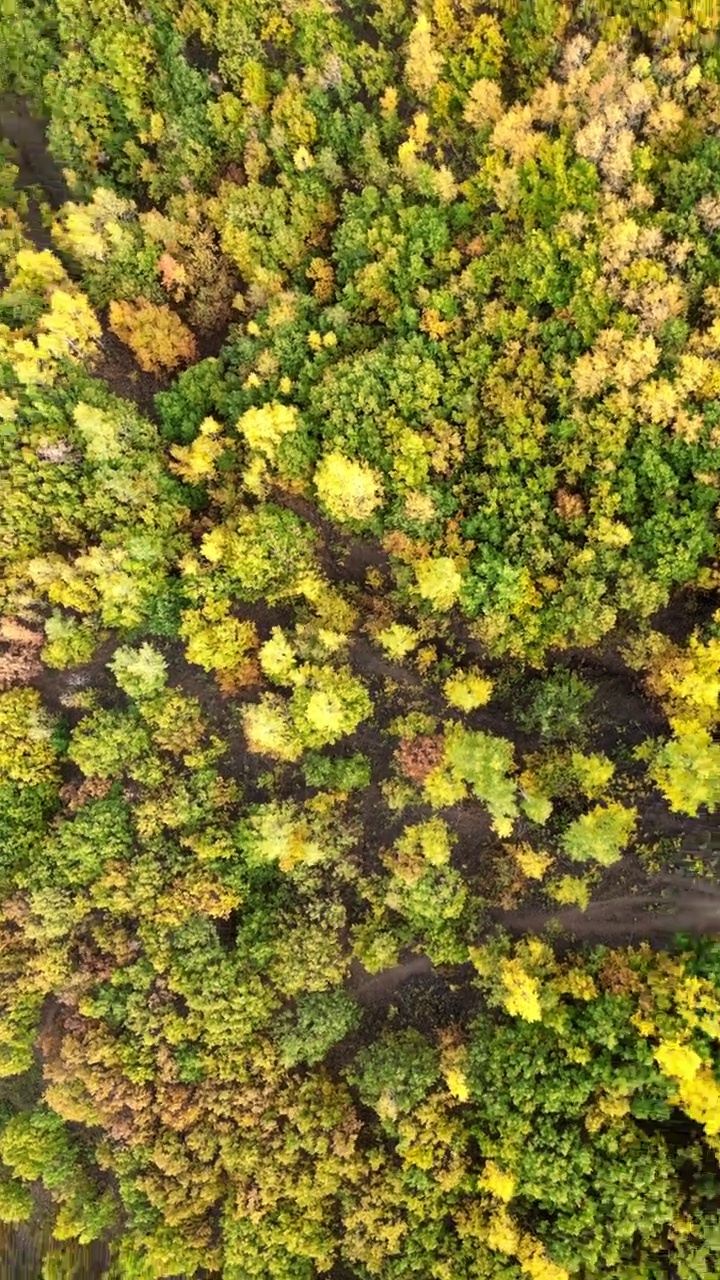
(296, 835)
(687, 770)
(28, 754)
(601, 834)
(265, 428)
(439, 581)
(36, 1145)
(350, 490)
(318, 1021)
(394, 1074)
(468, 690)
(155, 334)
(424, 62)
(141, 672)
(327, 705)
(483, 761)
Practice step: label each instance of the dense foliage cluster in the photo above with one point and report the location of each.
(347, 646)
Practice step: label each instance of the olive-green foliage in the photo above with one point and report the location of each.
(16, 1202)
(28, 754)
(69, 642)
(395, 1073)
(24, 815)
(600, 835)
(328, 705)
(558, 706)
(109, 743)
(476, 297)
(36, 1145)
(264, 554)
(319, 1020)
(341, 773)
(82, 469)
(100, 832)
(289, 834)
(585, 1075)
(435, 906)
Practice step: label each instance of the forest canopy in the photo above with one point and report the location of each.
(360, 639)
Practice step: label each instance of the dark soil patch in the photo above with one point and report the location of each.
(59, 687)
(118, 368)
(200, 56)
(688, 610)
(27, 137)
(380, 988)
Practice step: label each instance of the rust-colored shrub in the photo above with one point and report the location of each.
(417, 757)
(19, 662)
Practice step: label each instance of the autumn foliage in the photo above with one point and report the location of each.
(155, 334)
(360, 689)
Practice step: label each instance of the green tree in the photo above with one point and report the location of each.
(394, 1074)
(601, 834)
(319, 1020)
(141, 672)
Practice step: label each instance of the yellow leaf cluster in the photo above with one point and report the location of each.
(269, 730)
(99, 432)
(278, 658)
(37, 271)
(439, 581)
(698, 1091)
(264, 428)
(532, 862)
(484, 105)
(196, 461)
(522, 992)
(497, 1182)
(156, 335)
(216, 640)
(468, 690)
(421, 844)
(397, 640)
(424, 63)
(68, 330)
(678, 1060)
(94, 231)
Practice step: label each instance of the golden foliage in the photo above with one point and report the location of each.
(424, 62)
(349, 489)
(196, 462)
(484, 105)
(155, 334)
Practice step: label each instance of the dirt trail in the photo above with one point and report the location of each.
(36, 167)
(676, 904)
(377, 988)
(671, 905)
(27, 135)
